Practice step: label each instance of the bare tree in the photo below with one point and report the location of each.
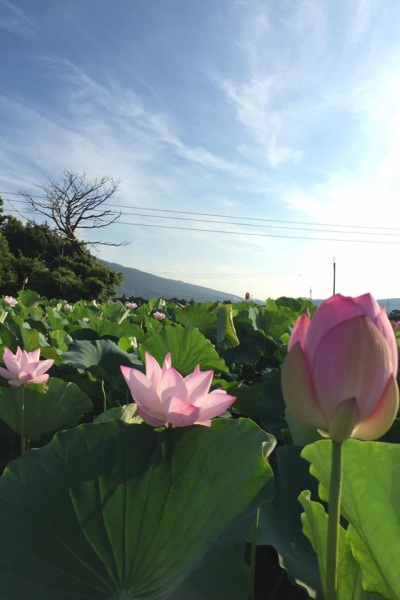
(75, 203)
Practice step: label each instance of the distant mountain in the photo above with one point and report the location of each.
(138, 283)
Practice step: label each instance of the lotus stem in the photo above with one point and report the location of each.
(23, 438)
(335, 493)
(103, 389)
(254, 553)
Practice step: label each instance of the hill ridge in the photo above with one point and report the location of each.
(146, 285)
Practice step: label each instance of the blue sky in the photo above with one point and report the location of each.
(283, 117)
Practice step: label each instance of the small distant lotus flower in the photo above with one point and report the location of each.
(159, 315)
(339, 375)
(395, 325)
(131, 305)
(247, 296)
(68, 306)
(10, 301)
(24, 367)
(164, 396)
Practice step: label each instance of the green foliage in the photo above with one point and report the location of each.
(51, 263)
(47, 407)
(199, 316)
(315, 523)
(110, 510)
(8, 275)
(65, 508)
(188, 348)
(103, 358)
(226, 334)
(280, 524)
(370, 492)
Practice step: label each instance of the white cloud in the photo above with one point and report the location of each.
(15, 20)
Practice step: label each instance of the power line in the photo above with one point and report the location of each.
(221, 231)
(245, 224)
(291, 237)
(262, 226)
(184, 212)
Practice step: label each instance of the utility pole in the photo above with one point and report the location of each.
(334, 276)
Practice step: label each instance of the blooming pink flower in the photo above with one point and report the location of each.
(340, 372)
(10, 301)
(164, 396)
(131, 305)
(159, 315)
(24, 367)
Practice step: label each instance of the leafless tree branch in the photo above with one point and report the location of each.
(73, 203)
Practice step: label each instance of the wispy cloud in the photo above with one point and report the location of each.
(15, 20)
(286, 110)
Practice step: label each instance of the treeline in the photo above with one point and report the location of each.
(36, 256)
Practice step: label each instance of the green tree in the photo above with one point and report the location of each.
(52, 264)
(8, 275)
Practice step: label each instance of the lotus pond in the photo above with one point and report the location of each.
(96, 504)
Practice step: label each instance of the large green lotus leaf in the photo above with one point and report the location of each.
(226, 334)
(300, 434)
(116, 511)
(250, 313)
(315, 524)
(127, 413)
(8, 338)
(112, 310)
(32, 338)
(271, 404)
(188, 348)
(56, 320)
(28, 297)
(103, 358)
(105, 328)
(60, 339)
(251, 347)
(274, 323)
(47, 408)
(299, 305)
(279, 521)
(198, 316)
(222, 574)
(247, 398)
(370, 502)
(84, 333)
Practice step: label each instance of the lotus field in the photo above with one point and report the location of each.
(198, 452)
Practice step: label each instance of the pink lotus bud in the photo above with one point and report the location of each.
(10, 301)
(24, 367)
(164, 396)
(339, 375)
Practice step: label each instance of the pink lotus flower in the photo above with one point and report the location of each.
(131, 305)
(24, 367)
(159, 315)
(340, 372)
(164, 396)
(10, 301)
